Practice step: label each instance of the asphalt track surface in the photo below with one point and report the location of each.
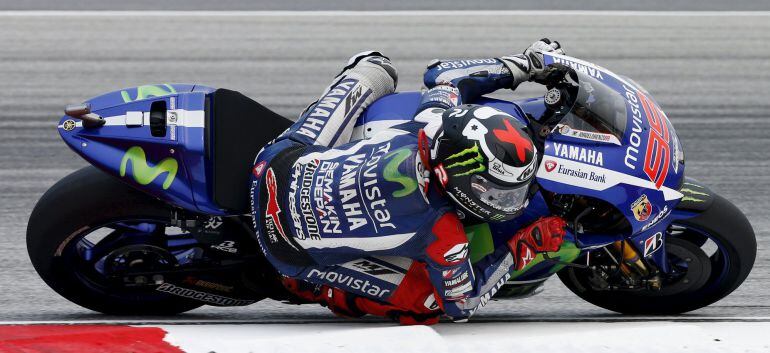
(357, 5)
(709, 72)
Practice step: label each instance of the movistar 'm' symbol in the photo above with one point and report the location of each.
(145, 174)
(146, 91)
(472, 157)
(391, 173)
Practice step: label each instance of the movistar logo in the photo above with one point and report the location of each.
(391, 173)
(145, 174)
(147, 91)
(693, 195)
(467, 158)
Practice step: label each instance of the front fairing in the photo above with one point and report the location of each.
(637, 167)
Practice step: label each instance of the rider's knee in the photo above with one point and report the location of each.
(374, 70)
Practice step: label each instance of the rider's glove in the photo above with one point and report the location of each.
(544, 235)
(529, 66)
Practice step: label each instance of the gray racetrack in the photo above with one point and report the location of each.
(710, 74)
(355, 5)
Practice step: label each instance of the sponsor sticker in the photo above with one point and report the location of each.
(323, 198)
(662, 214)
(68, 125)
(452, 282)
(348, 281)
(272, 219)
(447, 274)
(143, 173)
(550, 165)
(227, 246)
(577, 153)
(526, 256)
(202, 296)
(657, 152)
(213, 223)
(653, 243)
(372, 268)
(587, 135)
(641, 208)
(457, 253)
(319, 113)
(259, 169)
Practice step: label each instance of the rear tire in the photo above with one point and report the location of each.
(728, 267)
(82, 201)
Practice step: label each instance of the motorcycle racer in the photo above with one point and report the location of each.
(375, 224)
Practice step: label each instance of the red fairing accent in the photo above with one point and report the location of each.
(84, 338)
(451, 245)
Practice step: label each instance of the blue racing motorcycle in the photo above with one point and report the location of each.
(160, 224)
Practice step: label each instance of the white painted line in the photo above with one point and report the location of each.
(418, 13)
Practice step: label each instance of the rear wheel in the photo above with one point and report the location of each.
(89, 227)
(710, 256)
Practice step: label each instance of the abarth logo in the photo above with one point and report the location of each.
(641, 208)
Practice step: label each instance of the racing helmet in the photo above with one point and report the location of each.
(485, 160)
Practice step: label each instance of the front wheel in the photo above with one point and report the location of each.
(710, 256)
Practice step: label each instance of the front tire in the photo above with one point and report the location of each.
(717, 274)
(83, 201)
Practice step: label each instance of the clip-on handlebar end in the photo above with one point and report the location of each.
(83, 112)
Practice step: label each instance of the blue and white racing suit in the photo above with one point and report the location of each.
(359, 216)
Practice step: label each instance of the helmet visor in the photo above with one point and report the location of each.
(507, 199)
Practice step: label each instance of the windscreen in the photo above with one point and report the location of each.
(597, 108)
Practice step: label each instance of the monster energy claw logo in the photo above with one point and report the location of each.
(391, 173)
(147, 91)
(473, 156)
(144, 173)
(693, 195)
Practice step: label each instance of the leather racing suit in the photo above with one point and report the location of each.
(363, 217)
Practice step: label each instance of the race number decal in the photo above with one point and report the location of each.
(658, 154)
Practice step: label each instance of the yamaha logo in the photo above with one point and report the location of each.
(68, 125)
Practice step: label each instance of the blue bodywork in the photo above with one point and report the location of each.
(175, 168)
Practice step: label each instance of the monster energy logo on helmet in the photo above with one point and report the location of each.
(468, 158)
